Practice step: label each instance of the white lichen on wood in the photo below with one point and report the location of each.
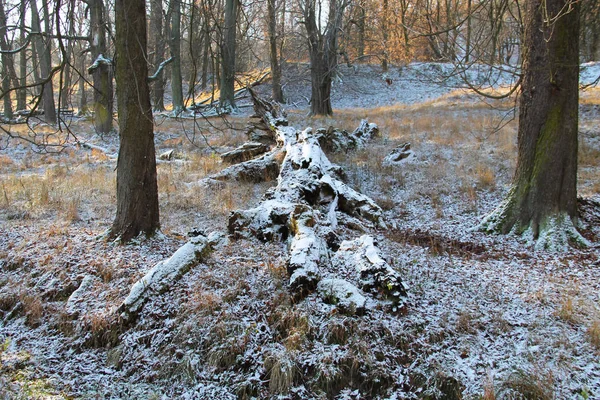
(164, 274)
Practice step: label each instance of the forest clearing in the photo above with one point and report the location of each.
(484, 316)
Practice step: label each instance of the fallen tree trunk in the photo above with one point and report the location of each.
(304, 211)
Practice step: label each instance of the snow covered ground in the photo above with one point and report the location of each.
(485, 316)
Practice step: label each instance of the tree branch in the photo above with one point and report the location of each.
(160, 68)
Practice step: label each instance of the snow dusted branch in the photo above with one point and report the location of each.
(101, 60)
(160, 68)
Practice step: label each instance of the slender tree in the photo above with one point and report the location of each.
(157, 45)
(102, 71)
(226, 98)
(543, 197)
(137, 190)
(273, 52)
(42, 46)
(175, 45)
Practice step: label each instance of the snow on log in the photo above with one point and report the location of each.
(264, 168)
(375, 275)
(303, 208)
(76, 301)
(400, 155)
(164, 274)
(307, 250)
(332, 139)
(347, 297)
(245, 152)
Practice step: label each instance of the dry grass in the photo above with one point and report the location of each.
(535, 385)
(567, 310)
(593, 334)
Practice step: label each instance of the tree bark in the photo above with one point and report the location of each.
(175, 45)
(158, 53)
(22, 93)
(275, 65)
(226, 97)
(137, 191)
(7, 65)
(322, 49)
(543, 197)
(102, 76)
(384, 31)
(42, 47)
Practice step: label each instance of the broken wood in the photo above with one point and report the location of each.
(244, 153)
(163, 275)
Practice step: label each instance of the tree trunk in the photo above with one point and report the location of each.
(228, 56)
(137, 191)
(175, 45)
(322, 49)
(158, 53)
(102, 76)
(7, 63)
(22, 93)
(42, 47)
(543, 198)
(275, 66)
(384, 30)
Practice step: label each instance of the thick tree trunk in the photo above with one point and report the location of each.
(137, 191)
(158, 53)
(228, 56)
(175, 45)
(102, 76)
(42, 47)
(275, 66)
(543, 198)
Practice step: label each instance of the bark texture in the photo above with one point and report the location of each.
(42, 49)
(137, 191)
(158, 53)
(273, 53)
(175, 43)
(543, 197)
(322, 46)
(102, 75)
(226, 98)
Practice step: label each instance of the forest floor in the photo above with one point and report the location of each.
(486, 316)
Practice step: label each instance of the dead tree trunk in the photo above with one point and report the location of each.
(308, 203)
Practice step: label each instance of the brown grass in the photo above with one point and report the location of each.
(593, 334)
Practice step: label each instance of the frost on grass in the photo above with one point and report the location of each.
(400, 155)
(347, 297)
(164, 274)
(556, 233)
